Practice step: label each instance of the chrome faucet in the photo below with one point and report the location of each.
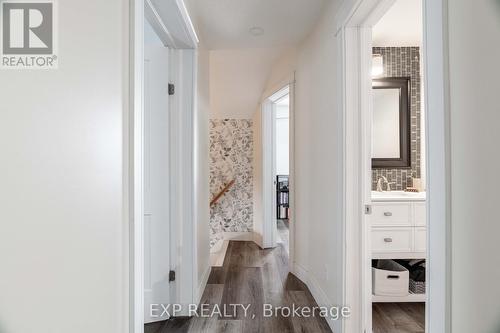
(380, 184)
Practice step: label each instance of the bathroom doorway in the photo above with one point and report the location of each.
(398, 223)
(388, 234)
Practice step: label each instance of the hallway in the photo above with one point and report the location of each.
(253, 276)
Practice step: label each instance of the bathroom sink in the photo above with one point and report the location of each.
(397, 195)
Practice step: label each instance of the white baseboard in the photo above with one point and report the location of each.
(249, 236)
(299, 272)
(257, 239)
(317, 292)
(217, 258)
(227, 236)
(240, 236)
(203, 284)
(219, 249)
(217, 246)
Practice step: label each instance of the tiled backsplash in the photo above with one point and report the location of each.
(404, 62)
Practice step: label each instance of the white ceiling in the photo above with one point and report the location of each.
(241, 63)
(237, 80)
(225, 24)
(401, 25)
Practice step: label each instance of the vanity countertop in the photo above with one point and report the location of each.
(398, 196)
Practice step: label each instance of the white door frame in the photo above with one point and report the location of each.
(184, 76)
(269, 231)
(157, 224)
(354, 42)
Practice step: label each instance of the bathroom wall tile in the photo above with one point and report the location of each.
(400, 62)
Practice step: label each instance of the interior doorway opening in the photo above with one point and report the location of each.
(277, 116)
(398, 222)
(282, 172)
(377, 224)
(161, 159)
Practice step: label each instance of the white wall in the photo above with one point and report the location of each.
(282, 72)
(64, 228)
(282, 140)
(202, 191)
(318, 192)
(318, 157)
(474, 31)
(258, 213)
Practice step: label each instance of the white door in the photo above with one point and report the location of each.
(156, 182)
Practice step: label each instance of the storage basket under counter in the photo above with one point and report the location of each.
(417, 287)
(390, 279)
(398, 281)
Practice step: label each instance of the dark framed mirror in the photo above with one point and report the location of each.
(391, 123)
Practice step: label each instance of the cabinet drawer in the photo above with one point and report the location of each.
(420, 239)
(391, 214)
(420, 214)
(392, 239)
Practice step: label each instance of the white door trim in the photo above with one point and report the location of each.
(269, 236)
(136, 265)
(291, 181)
(183, 195)
(182, 191)
(354, 23)
(268, 167)
(438, 171)
(157, 219)
(154, 19)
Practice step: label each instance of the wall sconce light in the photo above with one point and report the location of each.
(377, 65)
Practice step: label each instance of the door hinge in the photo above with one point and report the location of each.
(368, 209)
(171, 88)
(171, 276)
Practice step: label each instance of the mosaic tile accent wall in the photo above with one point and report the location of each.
(399, 62)
(231, 157)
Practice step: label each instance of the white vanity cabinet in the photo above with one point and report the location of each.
(398, 231)
(398, 226)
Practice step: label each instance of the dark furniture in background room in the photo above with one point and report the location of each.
(282, 197)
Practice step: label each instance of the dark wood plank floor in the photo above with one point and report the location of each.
(252, 276)
(398, 317)
(284, 233)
